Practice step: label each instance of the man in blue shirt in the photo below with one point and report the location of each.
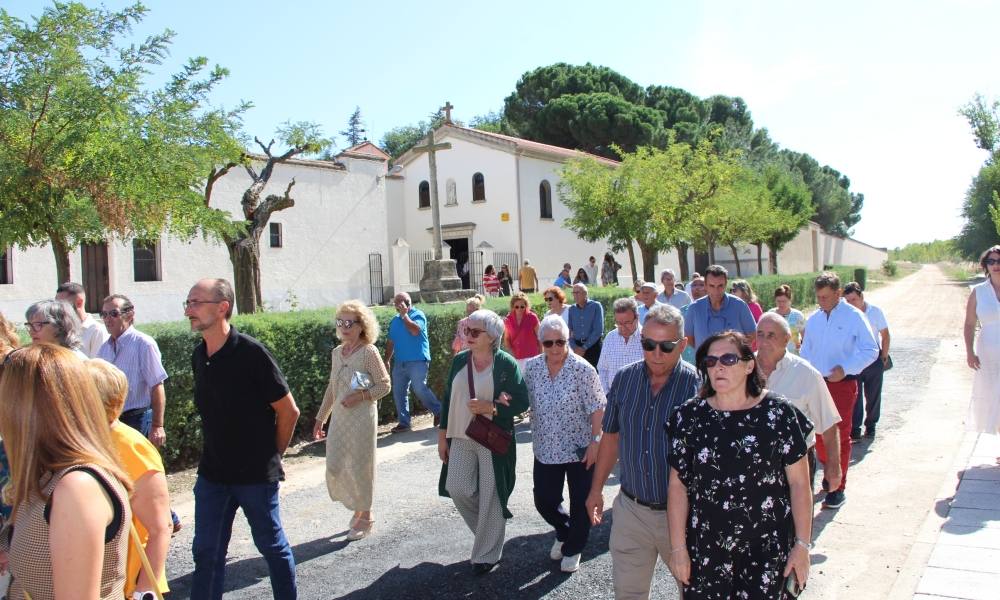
(642, 398)
(564, 279)
(586, 325)
(409, 345)
(717, 311)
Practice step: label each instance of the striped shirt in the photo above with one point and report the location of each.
(138, 356)
(616, 352)
(641, 419)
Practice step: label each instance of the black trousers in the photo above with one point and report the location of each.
(869, 402)
(593, 354)
(572, 529)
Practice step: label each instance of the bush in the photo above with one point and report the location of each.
(302, 341)
(890, 268)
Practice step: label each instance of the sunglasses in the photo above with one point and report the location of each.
(728, 359)
(194, 303)
(114, 313)
(473, 333)
(992, 261)
(520, 307)
(666, 347)
(345, 323)
(548, 343)
(36, 327)
(549, 298)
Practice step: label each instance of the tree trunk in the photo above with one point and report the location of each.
(760, 261)
(61, 251)
(631, 260)
(736, 257)
(772, 257)
(711, 253)
(244, 253)
(648, 260)
(682, 259)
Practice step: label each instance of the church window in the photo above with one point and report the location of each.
(545, 199)
(424, 192)
(478, 188)
(6, 270)
(275, 235)
(146, 260)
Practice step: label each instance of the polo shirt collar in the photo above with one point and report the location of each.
(228, 347)
(725, 303)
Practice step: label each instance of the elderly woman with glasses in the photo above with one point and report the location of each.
(54, 322)
(477, 480)
(358, 379)
(739, 505)
(521, 330)
(567, 407)
(555, 299)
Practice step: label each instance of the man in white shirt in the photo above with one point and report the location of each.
(839, 344)
(92, 334)
(795, 379)
(870, 381)
(646, 298)
(622, 345)
(591, 270)
(670, 294)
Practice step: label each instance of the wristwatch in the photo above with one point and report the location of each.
(597, 438)
(803, 543)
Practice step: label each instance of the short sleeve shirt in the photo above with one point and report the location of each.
(876, 319)
(561, 408)
(406, 346)
(702, 320)
(233, 392)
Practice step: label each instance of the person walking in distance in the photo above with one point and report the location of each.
(642, 397)
(839, 344)
(527, 278)
(984, 356)
(248, 416)
(869, 404)
(409, 349)
(586, 322)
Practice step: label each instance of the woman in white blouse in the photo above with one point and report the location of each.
(567, 407)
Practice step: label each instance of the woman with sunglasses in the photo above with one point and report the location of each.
(567, 408)
(55, 322)
(69, 491)
(555, 299)
(521, 330)
(358, 379)
(984, 357)
(471, 305)
(739, 505)
(476, 479)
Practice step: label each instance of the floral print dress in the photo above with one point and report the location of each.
(740, 528)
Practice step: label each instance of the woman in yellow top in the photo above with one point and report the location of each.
(357, 380)
(150, 499)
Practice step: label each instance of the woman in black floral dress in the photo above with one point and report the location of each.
(739, 506)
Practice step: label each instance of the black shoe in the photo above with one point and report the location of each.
(400, 428)
(856, 434)
(825, 485)
(483, 568)
(834, 500)
(870, 431)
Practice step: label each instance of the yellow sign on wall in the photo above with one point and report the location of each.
(505, 217)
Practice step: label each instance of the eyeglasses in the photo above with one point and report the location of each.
(194, 303)
(473, 333)
(520, 307)
(549, 298)
(666, 347)
(114, 313)
(625, 323)
(728, 359)
(548, 343)
(992, 261)
(346, 323)
(37, 326)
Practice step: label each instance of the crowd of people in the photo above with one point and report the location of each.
(716, 454)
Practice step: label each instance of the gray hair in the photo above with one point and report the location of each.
(666, 314)
(492, 325)
(553, 323)
(624, 305)
(776, 319)
(63, 316)
(668, 272)
(580, 286)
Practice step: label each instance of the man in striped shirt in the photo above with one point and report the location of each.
(642, 398)
(621, 346)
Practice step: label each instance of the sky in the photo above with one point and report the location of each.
(870, 88)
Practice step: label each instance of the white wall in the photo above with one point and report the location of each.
(339, 217)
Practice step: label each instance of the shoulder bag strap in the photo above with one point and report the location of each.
(469, 367)
(148, 568)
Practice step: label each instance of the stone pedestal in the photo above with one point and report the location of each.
(441, 283)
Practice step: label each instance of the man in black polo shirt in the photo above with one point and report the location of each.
(248, 416)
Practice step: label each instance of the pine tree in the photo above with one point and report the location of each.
(355, 132)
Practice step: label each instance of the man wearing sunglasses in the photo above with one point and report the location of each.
(839, 344)
(586, 322)
(410, 346)
(643, 395)
(138, 356)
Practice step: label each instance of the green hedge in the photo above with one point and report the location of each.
(301, 342)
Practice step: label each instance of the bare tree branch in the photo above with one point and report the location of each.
(272, 204)
(214, 176)
(267, 148)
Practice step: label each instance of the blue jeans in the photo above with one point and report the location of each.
(140, 421)
(215, 507)
(405, 374)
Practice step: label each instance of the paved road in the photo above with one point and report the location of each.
(421, 545)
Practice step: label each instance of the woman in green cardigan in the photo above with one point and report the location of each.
(469, 468)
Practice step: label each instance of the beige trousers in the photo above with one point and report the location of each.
(638, 537)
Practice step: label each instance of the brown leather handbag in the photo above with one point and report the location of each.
(482, 430)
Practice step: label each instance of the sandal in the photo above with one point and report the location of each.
(362, 528)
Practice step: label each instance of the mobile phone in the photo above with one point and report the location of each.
(581, 452)
(792, 586)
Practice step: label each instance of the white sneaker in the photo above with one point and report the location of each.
(570, 564)
(556, 552)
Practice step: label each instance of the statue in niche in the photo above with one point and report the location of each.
(452, 193)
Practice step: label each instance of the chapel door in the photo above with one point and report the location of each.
(96, 281)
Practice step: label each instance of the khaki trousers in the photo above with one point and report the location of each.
(639, 536)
